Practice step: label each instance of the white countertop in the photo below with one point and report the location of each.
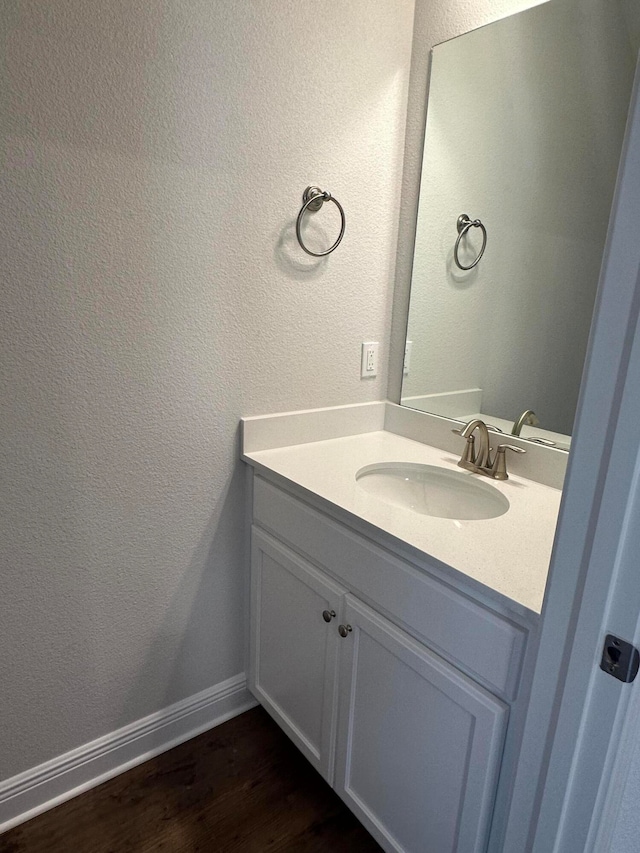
(509, 554)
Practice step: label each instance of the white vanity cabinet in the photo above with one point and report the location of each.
(397, 688)
(294, 651)
(419, 744)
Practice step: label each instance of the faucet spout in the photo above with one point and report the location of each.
(481, 459)
(480, 462)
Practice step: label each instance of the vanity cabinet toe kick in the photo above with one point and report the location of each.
(398, 688)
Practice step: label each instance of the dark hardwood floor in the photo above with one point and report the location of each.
(241, 787)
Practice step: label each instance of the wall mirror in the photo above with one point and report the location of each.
(525, 123)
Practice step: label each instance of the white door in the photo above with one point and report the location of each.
(294, 645)
(571, 771)
(419, 743)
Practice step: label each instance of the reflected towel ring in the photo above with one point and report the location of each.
(464, 224)
(312, 199)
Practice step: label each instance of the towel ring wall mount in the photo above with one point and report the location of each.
(463, 225)
(312, 200)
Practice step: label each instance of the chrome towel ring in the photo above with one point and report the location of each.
(312, 199)
(464, 224)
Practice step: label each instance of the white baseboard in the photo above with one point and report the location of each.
(47, 785)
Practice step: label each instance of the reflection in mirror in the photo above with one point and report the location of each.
(525, 123)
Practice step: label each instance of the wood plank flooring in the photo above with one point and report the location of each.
(240, 788)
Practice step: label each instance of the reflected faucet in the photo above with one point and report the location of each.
(479, 461)
(527, 418)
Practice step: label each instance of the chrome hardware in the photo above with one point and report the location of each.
(527, 418)
(480, 462)
(463, 224)
(328, 615)
(499, 467)
(479, 458)
(469, 453)
(344, 630)
(312, 199)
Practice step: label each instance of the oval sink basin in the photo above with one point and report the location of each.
(431, 490)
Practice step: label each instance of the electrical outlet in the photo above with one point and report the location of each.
(407, 357)
(369, 359)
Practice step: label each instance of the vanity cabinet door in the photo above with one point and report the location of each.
(294, 649)
(419, 744)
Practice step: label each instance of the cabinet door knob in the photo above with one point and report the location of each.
(328, 615)
(344, 630)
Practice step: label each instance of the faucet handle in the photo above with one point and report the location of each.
(468, 457)
(499, 467)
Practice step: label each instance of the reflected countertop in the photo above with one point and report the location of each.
(509, 554)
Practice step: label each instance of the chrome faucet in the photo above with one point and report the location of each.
(475, 458)
(479, 461)
(528, 417)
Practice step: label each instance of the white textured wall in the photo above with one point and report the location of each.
(524, 130)
(154, 155)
